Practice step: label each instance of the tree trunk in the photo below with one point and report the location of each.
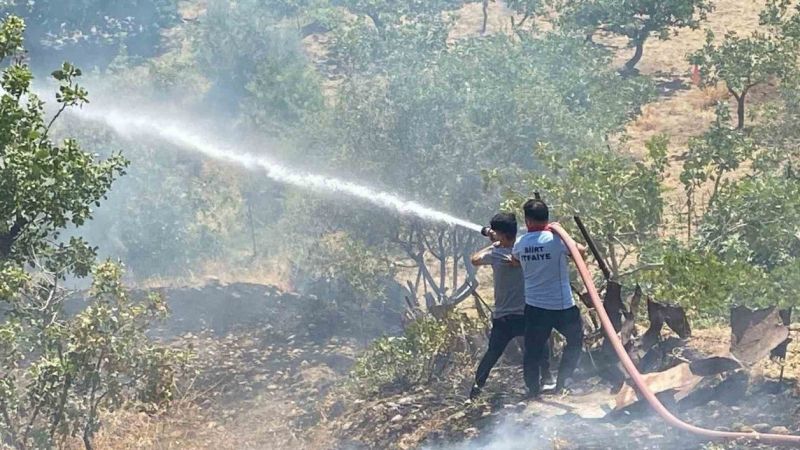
(690, 211)
(376, 20)
(252, 228)
(485, 16)
(5, 246)
(7, 239)
(637, 55)
(740, 110)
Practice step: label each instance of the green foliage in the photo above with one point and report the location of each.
(91, 32)
(618, 197)
(637, 19)
(256, 64)
(44, 187)
(170, 213)
(61, 368)
(426, 351)
(708, 285)
(777, 134)
(717, 152)
(756, 221)
(527, 8)
(347, 267)
(389, 13)
(62, 371)
(742, 63)
(782, 17)
(480, 103)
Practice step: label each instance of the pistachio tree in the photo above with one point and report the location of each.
(719, 151)
(92, 32)
(742, 63)
(619, 198)
(637, 20)
(61, 366)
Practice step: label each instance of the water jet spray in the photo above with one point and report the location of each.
(127, 124)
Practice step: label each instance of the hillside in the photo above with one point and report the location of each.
(257, 228)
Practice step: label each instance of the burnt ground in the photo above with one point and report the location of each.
(437, 417)
(271, 372)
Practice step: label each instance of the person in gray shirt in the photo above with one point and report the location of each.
(508, 318)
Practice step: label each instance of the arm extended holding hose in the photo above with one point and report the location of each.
(633, 372)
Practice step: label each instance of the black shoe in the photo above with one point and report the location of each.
(563, 385)
(532, 394)
(474, 392)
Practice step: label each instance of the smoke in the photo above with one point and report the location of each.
(524, 431)
(180, 134)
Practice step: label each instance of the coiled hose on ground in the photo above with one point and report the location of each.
(633, 372)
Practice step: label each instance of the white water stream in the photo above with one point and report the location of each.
(180, 134)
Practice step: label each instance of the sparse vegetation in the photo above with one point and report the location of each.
(401, 96)
(429, 349)
(62, 369)
(636, 20)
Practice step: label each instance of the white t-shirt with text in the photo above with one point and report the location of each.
(543, 256)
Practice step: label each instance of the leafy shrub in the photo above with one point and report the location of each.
(708, 285)
(61, 369)
(426, 351)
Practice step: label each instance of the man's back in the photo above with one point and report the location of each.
(543, 257)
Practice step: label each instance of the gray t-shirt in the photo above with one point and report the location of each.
(509, 284)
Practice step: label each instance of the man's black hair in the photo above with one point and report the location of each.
(505, 223)
(536, 210)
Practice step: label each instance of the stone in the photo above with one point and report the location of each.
(762, 427)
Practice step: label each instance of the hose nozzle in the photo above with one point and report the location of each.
(486, 231)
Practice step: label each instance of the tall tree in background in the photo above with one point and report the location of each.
(92, 32)
(743, 63)
(710, 157)
(637, 20)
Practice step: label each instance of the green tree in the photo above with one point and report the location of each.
(257, 65)
(755, 220)
(637, 20)
(742, 63)
(619, 198)
(711, 156)
(389, 13)
(44, 187)
(61, 368)
(708, 284)
(92, 32)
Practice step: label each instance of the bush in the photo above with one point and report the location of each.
(708, 285)
(427, 350)
(61, 372)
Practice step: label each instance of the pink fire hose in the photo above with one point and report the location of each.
(633, 372)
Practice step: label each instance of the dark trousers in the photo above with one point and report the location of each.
(539, 323)
(504, 329)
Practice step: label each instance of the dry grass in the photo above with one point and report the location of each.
(669, 56)
(684, 114)
(184, 426)
(469, 20)
(687, 112)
